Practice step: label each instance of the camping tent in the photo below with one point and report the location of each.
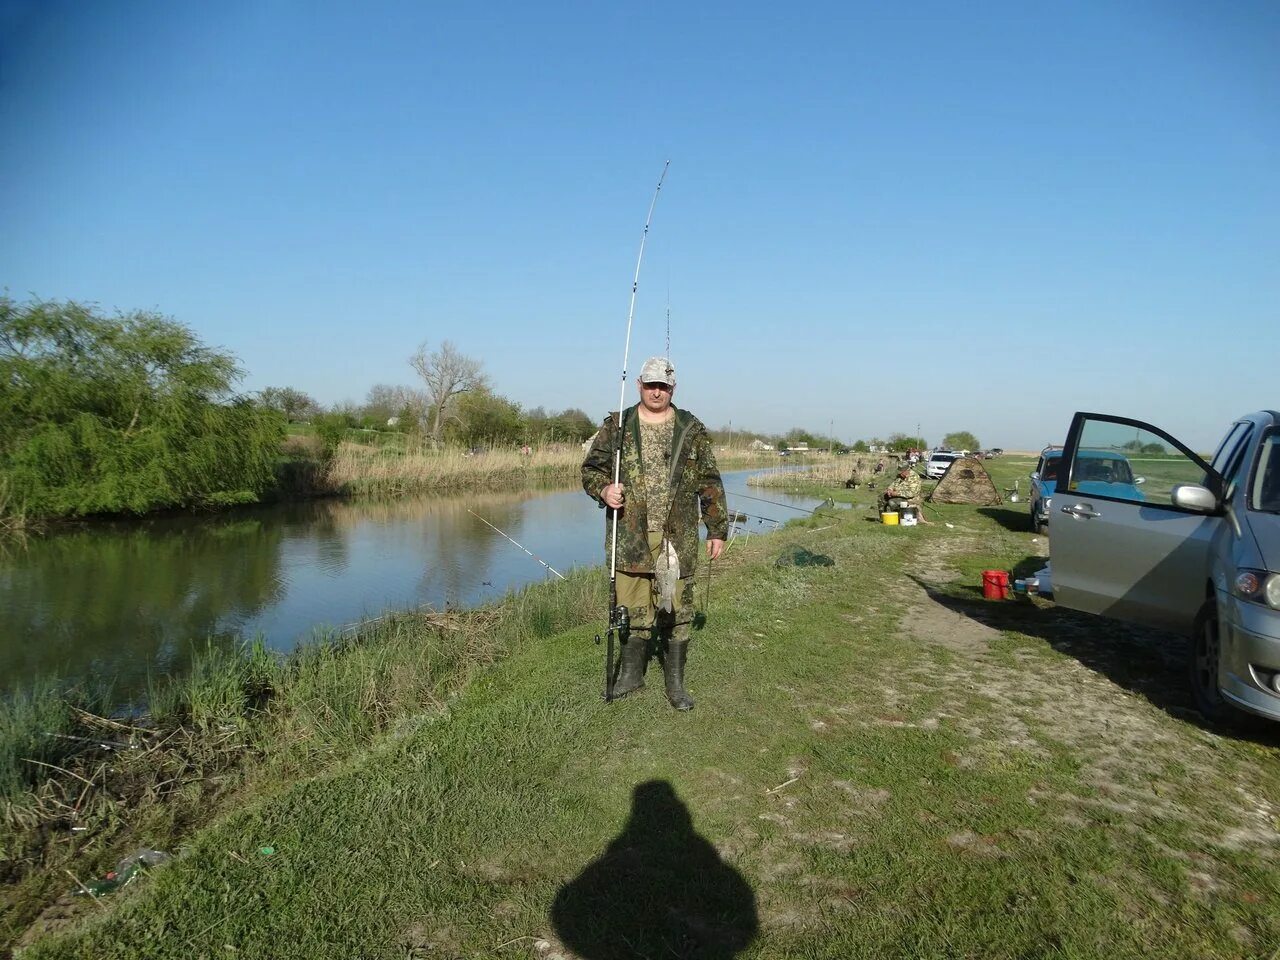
(966, 481)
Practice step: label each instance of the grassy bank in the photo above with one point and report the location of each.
(880, 765)
(79, 789)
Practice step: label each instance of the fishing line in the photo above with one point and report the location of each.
(789, 506)
(668, 353)
(518, 544)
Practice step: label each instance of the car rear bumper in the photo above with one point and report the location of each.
(1250, 655)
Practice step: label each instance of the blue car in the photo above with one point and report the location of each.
(1102, 472)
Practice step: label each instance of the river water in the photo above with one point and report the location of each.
(127, 599)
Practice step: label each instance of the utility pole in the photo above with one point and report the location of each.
(730, 436)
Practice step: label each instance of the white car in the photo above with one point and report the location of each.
(939, 463)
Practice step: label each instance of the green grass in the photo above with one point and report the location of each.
(893, 767)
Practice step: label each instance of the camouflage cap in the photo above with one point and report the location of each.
(658, 370)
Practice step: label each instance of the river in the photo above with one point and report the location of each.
(124, 599)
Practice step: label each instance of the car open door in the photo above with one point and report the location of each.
(1119, 545)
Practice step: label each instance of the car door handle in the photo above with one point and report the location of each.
(1081, 510)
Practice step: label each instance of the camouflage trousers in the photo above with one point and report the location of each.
(637, 592)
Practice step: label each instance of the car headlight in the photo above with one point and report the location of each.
(1048, 504)
(1259, 586)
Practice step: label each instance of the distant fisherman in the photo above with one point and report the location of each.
(668, 479)
(903, 492)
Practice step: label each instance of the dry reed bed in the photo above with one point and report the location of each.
(356, 468)
(825, 472)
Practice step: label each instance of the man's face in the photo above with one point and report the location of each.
(656, 397)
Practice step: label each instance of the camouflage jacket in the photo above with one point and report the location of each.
(907, 488)
(695, 488)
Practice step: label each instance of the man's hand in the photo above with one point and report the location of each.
(714, 549)
(613, 495)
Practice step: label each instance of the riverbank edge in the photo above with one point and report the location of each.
(299, 479)
(875, 810)
(80, 788)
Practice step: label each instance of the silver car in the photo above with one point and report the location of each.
(1199, 551)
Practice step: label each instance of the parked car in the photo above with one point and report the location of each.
(938, 463)
(1200, 552)
(1106, 472)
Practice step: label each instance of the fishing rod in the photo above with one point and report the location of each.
(619, 617)
(789, 506)
(517, 543)
(734, 514)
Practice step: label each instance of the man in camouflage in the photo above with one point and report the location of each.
(903, 492)
(858, 476)
(668, 477)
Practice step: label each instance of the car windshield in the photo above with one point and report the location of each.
(1050, 469)
(1265, 494)
(1105, 470)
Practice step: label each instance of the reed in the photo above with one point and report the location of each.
(385, 471)
(13, 515)
(820, 471)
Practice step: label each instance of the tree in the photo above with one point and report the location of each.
(123, 414)
(961, 440)
(447, 374)
(568, 426)
(384, 401)
(294, 404)
(860, 446)
(571, 426)
(901, 442)
(486, 418)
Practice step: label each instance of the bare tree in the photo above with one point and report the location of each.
(294, 404)
(446, 373)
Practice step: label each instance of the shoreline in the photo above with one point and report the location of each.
(864, 731)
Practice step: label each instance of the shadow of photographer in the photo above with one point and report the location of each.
(658, 890)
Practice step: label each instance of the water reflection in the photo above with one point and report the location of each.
(81, 602)
(122, 599)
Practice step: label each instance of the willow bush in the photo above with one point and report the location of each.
(122, 414)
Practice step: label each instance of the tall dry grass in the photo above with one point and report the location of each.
(13, 516)
(356, 468)
(817, 470)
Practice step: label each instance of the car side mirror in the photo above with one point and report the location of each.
(1032, 476)
(1192, 496)
(1138, 480)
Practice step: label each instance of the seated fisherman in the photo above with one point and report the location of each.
(903, 492)
(858, 476)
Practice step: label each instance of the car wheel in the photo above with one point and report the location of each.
(1205, 654)
(1038, 525)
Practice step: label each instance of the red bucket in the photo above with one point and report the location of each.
(995, 584)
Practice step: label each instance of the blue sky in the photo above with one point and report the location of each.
(967, 216)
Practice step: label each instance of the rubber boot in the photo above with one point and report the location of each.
(632, 662)
(673, 674)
